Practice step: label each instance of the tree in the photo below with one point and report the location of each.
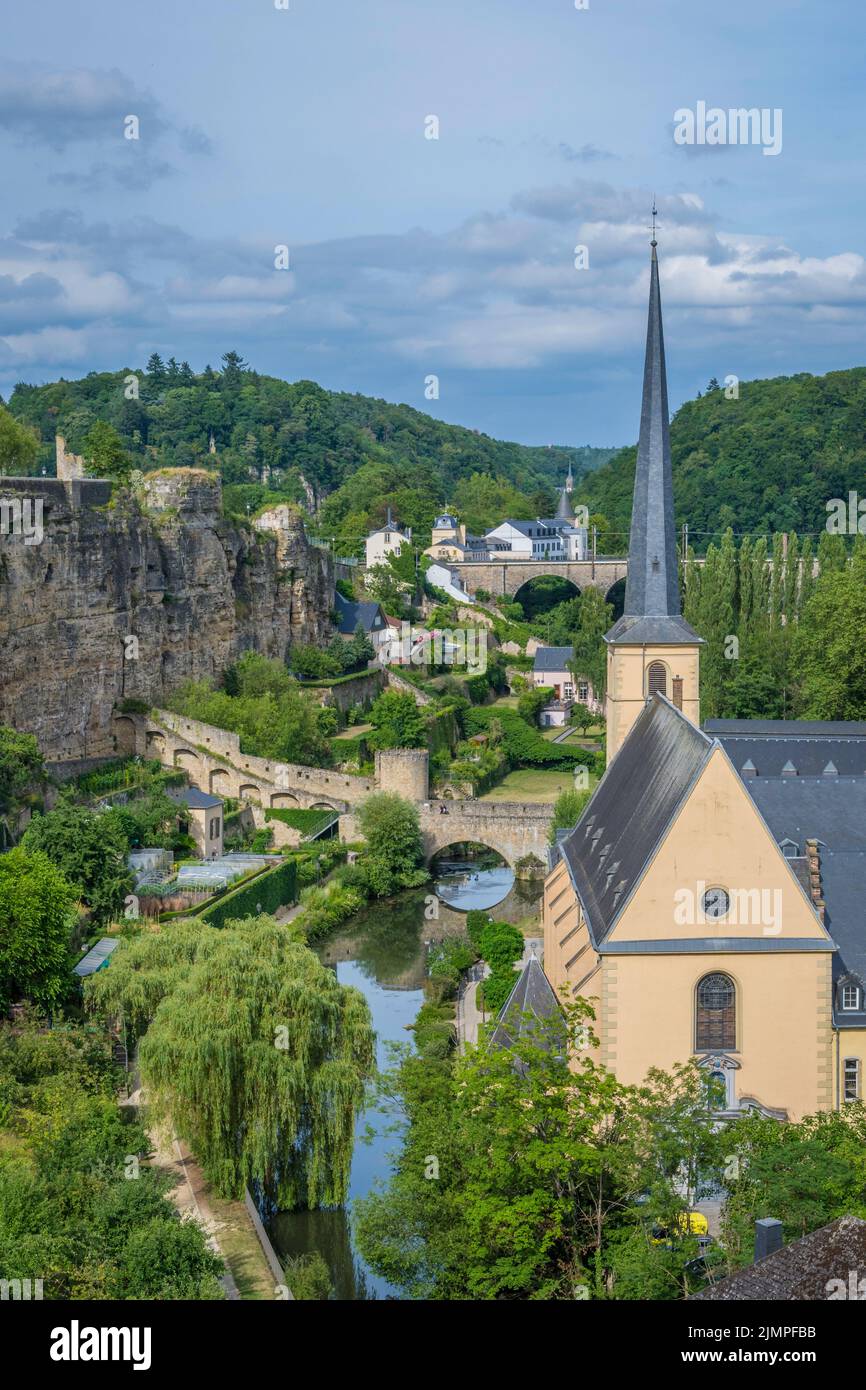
(540, 1168)
(567, 811)
(254, 1052)
(37, 914)
(18, 445)
(69, 1213)
(532, 702)
(20, 767)
(398, 721)
(830, 653)
(105, 454)
(391, 828)
(89, 848)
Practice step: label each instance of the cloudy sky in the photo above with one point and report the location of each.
(410, 257)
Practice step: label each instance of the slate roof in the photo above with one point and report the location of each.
(552, 658)
(528, 1008)
(652, 587)
(633, 805)
(196, 800)
(564, 513)
(801, 1270)
(663, 629)
(352, 612)
(831, 810)
(809, 746)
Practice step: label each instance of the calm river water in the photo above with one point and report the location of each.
(383, 952)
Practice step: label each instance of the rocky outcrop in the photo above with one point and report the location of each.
(128, 597)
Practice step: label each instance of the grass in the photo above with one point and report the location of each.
(241, 1250)
(533, 784)
(355, 731)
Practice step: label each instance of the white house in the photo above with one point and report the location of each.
(550, 668)
(388, 540)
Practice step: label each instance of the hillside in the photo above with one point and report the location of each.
(300, 439)
(767, 462)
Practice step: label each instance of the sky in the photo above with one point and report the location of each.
(453, 258)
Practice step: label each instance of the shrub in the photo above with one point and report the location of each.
(497, 987)
(501, 944)
(476, 920)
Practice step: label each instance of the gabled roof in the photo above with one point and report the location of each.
(353, 612)
(530, 1006)
(196, 800)
(552, 658)
(631, 810)
(802, 1269)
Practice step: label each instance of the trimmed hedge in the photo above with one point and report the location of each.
(276, 888)
(308, 822)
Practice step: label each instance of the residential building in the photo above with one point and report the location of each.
(387, 540)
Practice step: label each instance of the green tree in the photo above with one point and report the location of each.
(398, 721)
(89, 848)
(37, 914)
(567, 811)
(829, 647)
(21, 768)
(105, 455)
(254, 1052)
(18, 446)
(395, 850)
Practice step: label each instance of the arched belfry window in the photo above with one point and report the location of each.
(716, 1015)
(657, 678)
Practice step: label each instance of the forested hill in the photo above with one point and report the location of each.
(766, 462)
(261, 425)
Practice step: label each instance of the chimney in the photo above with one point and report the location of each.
(768, 1237)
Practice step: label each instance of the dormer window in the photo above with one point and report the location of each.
(850, 998)
(790, 849)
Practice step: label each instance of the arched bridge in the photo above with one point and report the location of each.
(513, 828)
(507, 576)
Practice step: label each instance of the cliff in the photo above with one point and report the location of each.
(129, 595)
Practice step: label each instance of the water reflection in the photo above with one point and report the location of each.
(471, 876)
(382, 952)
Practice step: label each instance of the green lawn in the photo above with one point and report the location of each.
(533, 784)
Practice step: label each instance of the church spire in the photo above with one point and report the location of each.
(652, 597)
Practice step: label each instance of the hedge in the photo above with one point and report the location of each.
(276, 888)
(308, 822)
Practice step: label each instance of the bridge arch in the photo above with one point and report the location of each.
(544, 591)
(616, 596)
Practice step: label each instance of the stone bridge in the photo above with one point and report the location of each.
(512, 828)
(508, 576)
(212, 761)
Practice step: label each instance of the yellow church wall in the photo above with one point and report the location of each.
(784, 1035)
(570, 959)
(718, 839)
(627, 685)
(852, 1043)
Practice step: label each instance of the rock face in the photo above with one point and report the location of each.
(130, 597)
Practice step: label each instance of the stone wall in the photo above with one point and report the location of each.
(194, 589)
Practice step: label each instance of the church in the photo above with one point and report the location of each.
(711, 901)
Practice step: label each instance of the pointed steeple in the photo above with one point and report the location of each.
(569, 482)
(563, 510)
(652, 596)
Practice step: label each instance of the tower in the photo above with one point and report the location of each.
(651, 648)
(569, 482)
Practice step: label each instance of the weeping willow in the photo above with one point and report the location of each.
(254, 1053)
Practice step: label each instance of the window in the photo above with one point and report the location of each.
(568, 690)
(850, 997)
(583, 692)
(716, 1018)
(851, 1083)
(657, 679)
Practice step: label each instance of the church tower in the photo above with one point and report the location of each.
(651, 648)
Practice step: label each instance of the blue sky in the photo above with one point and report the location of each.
(411, 257)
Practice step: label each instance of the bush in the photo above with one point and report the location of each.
(497, 987)
(309, 1278)
(501, 944)
(476, 920)
(271, 890)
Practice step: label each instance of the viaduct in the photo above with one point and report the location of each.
(508, 576)
(213, 762)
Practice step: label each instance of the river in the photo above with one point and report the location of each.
(382, 952)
